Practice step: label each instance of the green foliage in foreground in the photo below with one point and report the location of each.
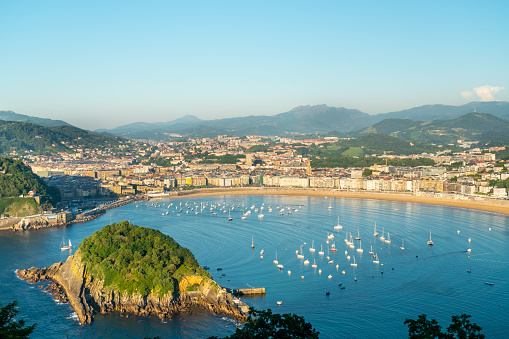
(266, 325)
(460, 328)
(137, 259)
(10, 327)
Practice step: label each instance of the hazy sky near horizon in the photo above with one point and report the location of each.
(102, 64)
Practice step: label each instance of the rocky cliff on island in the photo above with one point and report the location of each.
(134, 270)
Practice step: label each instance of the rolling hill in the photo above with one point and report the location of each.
(22, 137)
(471, 126)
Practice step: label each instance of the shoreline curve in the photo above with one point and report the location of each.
(494, 206)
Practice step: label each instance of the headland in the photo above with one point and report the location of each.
(134, 270)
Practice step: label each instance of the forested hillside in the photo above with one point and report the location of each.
(137, 259)
(17, 179)
(21, 137)
(368, 145)
(472, 126)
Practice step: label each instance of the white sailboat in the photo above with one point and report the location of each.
(382, 237)
(358, 237)
(229, 216)
(430, 243)
(350, 243)
(63, 246)
(321, 250)
(338, 226)
(252, 242)
(376, 261)
(275, 260)
(375, 233)
(300, 256)
(330, 204)
(314, 263)
(402, 244)
(354, 263)
(312, 248)
(360, 250)
(371, 250)
(388, 240)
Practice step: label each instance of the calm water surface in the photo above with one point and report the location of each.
(419, 279)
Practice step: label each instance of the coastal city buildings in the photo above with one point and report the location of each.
(148, 167)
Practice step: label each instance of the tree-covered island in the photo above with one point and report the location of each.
(136, 270)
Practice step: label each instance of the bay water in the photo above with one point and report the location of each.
(366, 301)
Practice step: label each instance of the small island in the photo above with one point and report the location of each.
(134, 270)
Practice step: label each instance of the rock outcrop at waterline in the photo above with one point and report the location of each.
(88, 296)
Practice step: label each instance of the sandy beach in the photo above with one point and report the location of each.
(495, 206)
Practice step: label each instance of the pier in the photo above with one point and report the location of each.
(248, 291)
(243, 307)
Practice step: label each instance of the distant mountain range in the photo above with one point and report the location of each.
(301, 120)
(430, 123)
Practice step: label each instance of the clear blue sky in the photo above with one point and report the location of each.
(101, 64)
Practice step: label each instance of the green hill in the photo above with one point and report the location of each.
(137, 259)
(18, 179)
(368, 145)
(22, 137)
(472, 126)
(362, 151)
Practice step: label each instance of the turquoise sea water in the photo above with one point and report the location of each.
(419, 279)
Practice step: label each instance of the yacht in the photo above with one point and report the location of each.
(358, 237)
(338, 226)
(430, 243)
(312, 248)
(360, 250)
